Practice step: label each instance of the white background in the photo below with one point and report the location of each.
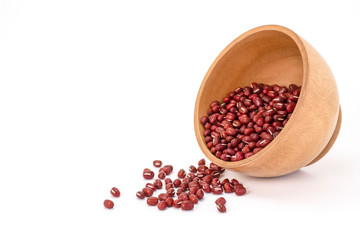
(91, 92)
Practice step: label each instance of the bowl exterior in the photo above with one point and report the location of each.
(309, 129)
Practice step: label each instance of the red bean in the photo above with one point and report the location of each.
(177, 203)
(220, 200)
(279, 106)
(108, 204)
(266, 99)
(227, 188)
(158, 184)
(216, 167)
(208, 178)
(201, 162)
(152, 201)
(200, 194)
(162, 205)
(231, 131)
(192, 169)
(270, 112)
(221, 208)
(115, 192)
(166, 169)
(194, 198)
(292, 98)
(215, 103)
(244, 119)
(217, 189)
(157, 163)
(207, 132)
(187, 205)
(206, 188)
(266, 135)
(148, 174)
(190, 175)
(237, 157)
(181, 174)
(215, 182)
(140, 195)
(230, 116)
(151, 186)
(162, 196)
(245, 150)
(204, 119)
(290, 107)
(177, 182)
(292, 87)
(243, 110)
(268, 119)
(215, 174)
(239, 190)
(296, 92)
(147, 191)
(263, 143)
(169, 167)
(161, 175)
(186, 180)
(169, 201)
(183, 196)
(278, 99)
(230, 105)
(168, 186)
(234, 181)
(167, 181)
(276, 87)
(212, 118)
(179, 190)
(170, 192)
(248, 131)
(225, 157)
(225, 180)
(258, 101)
(202, 168)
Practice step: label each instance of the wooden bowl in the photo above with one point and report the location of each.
(276, 55)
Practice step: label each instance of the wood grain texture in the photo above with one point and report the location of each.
(276, 55)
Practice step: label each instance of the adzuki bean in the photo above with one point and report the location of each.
(157, 163)
(140, 195)
(221, 208)
(115, 192)
(220, 200)
(187, 205)
(152, 201)
(162, 205)
(108, 204)
(148, 174)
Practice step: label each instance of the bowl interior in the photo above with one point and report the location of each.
(267, 56)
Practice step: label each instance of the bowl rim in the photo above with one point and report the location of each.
(198, 132)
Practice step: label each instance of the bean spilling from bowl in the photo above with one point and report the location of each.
(248, 119)
(189, 187)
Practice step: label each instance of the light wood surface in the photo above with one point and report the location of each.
(276, 55)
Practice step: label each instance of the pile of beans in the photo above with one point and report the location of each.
(189, 187)
(248, 119)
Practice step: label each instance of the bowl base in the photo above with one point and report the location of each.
(331, 141)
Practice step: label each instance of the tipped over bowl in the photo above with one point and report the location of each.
(271, 55)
